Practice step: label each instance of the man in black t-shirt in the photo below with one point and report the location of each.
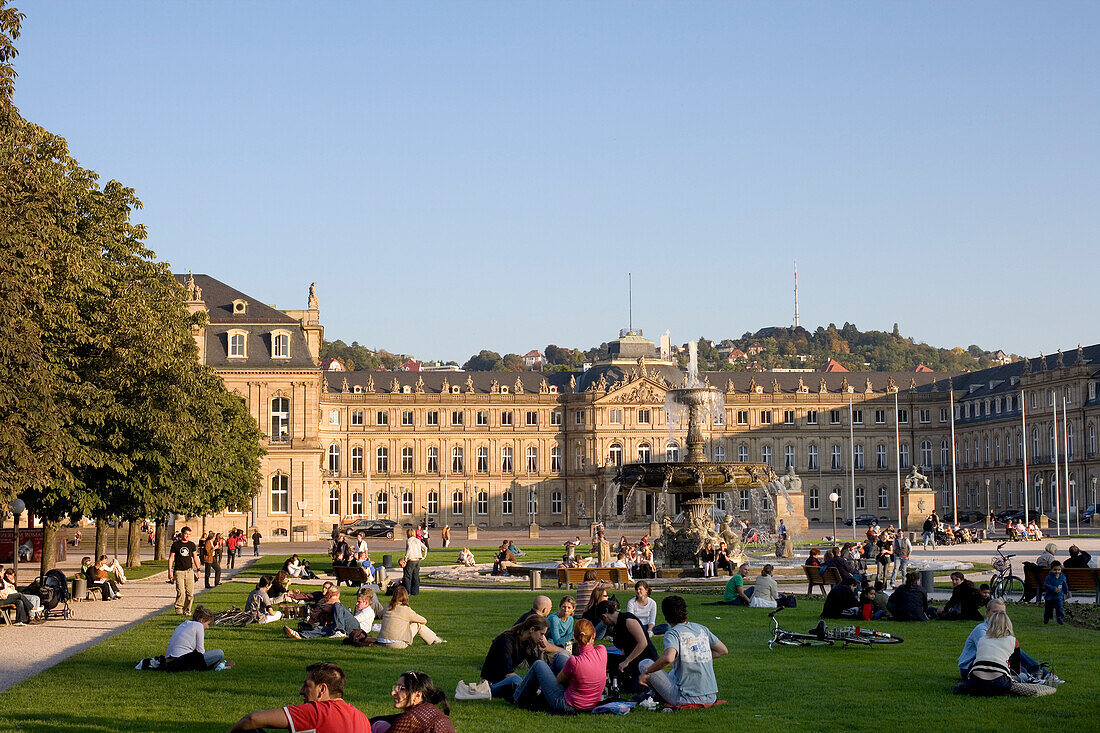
(183, 569)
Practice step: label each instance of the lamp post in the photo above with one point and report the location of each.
(1094, 495)
(834, 498)
(988, 508)
(1039, 480)
(17, 508)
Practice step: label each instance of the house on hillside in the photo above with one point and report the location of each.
(1000, 357)
(735, 356)
(412, 365)
(332, 364)
(921, 369)
(533, 359)
(831, 366)
(754, 348)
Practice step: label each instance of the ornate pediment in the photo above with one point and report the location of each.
(643, 391)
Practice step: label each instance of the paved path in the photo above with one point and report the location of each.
(27, 650)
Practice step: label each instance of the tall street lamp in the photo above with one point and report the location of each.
(834, 498)
(17, 508)
(988, 508)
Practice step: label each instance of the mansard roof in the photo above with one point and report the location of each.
(218, 298)
(1006, 378)
(432, 382)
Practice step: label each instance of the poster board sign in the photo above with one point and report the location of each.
(30, 544)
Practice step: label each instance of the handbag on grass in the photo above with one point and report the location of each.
(479, 691)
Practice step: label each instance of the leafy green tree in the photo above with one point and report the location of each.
(484, 361)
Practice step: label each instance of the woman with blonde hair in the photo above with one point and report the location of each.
(990, 674)
(401, 624)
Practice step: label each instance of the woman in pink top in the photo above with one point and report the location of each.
(579, 685)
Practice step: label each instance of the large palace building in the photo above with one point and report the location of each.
(500, 449)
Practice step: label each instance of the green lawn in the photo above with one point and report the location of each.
(148, 567)
(832, 688)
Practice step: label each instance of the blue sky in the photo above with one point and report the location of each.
(467, 175)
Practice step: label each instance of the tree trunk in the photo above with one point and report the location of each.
(101, 529)
(49, 546)
(133, 544)
(161, 540)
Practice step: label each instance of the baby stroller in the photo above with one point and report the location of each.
(942, 538)
(53, 589)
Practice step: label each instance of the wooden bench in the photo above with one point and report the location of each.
(6, 611)
(572, 576)
(1080, 580)
(815, 577)
(353, 575)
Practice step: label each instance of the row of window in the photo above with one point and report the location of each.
(238, 344)
(836, 455)
(280, 501)
(1045, 494)
(814, 498)
(458, 460)
(432, 418)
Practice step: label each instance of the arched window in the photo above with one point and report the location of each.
(861, 498)
(837, 461)
(457, 507)
(357, 459)
(672, 452)
(532, 459)
(506, 459)
(1069, 441)
(433, 459)
(280, 346)
(483, 503)
(812, 464)
(280, 420)
(1050, 433)
(858, 452)
(881, 461)
(643, 452)
(334, 459)
(743, 454)
(1092, 439)
(456, 460)
(556, 502)
(382, 460)
(407, 460)
(719, 453)
(357, 503)
(766, 454)
(506, 502)
(926, 454)
(788, 456)
(280, 493)
(383, 503)
(905, 455)
(945, 452)
(406, 502)
(815, 498)
(433, 502)
(615, 455)
(482, 459)
(996, 449)
(555, 459)
(883, 498)
(334, 502)
(1034, 443)
(985, 453)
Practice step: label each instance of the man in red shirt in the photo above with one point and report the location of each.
(324, 709)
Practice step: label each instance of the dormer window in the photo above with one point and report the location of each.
(357, 389)
(455, 389)
(239, 307)
(504, 390)
(406, 389)
(280, 345)
(238, 344)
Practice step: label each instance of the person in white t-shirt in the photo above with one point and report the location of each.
(690, 649)
(643, 607)
(415, 551)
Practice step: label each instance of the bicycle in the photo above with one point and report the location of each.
(1004, 584)
(822, 635)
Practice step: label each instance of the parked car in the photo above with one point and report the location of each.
(1087, 512)
(863, 520)
(371, 528)
(1007, 514)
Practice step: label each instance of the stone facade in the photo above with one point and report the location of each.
(505, 449)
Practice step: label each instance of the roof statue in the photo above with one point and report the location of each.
(518, 387)
(494, 388)
(912, 382)
(344, 387)
(324, 385)
(1042, 362)
(1080, 355)
(544, 386)
(776, 389)
(420, 385)
(1061, 360)
(867, 387)
(194, 292)
(730, 389)
(844, 386)
(446, 387)
(469, 383)
(891, 385)
(370, 383)
(1027, 365)
(822, 388)
(802, 389)
(313, 296)
(395, 386)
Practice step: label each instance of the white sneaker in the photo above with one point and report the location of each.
(338, 634)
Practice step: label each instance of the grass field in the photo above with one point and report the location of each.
(903, 687)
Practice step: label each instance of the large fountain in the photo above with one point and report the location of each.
(681, 538)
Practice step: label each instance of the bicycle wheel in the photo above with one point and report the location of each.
(788, 639)
(1011, 589)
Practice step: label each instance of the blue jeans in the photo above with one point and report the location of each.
(541, 678)
(213, 657)
(506, 688)
(1054, 606)
(256, 550)
(410, 577)
(929, 536)
(900, 564)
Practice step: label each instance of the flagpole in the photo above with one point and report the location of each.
(852, 457)
(1054, 485)
(1023, 452)
(897, 449)
(1065, 442)
(954, 475)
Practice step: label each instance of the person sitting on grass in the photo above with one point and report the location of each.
(330, 618)
(424, 707)
(645, 566)
(505, 559)
(1055, 590)
(280, 586)
(579, 685)
(990, 674)
(842, 601)
(560, 625)
(513, 647)
(643, 607)
(584, 589)
(867, 609)
(690, 649)
(765, 593)
(187, 650)
(259, 603)
(1027, 665)
(541, 606)
(630, 637)
(367, 609)
(297, 568)
(401, 625)
(466, 558)
(322, 710)
(909, 602)
(964, 602)
(736, 594)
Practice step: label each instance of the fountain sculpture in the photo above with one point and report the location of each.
(696, 403)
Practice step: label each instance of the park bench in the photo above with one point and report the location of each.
(1080, 580)
(572, 576)
(352, 575)
(6, 610)
(815, 577)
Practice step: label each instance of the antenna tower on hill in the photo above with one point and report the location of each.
(796, 293)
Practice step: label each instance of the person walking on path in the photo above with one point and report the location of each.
(930, 532)
(183, 570)
(446, 535)
(903, 548)
(256, 537)
(410, 564)
(231, 550)
(211, 558)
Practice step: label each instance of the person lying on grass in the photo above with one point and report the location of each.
(329, 618)
(424, 707)
(523, 643)
(187, 650)
(690, 649)
(579, 685)
(323, 709)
